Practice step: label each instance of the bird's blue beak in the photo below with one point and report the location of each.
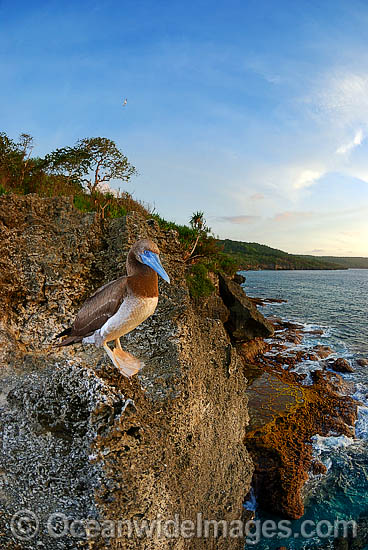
(153, 261)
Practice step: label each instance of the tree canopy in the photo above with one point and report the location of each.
(16, 163)
(91, 162)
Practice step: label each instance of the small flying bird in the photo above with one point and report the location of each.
(120, 306)
(125, 102)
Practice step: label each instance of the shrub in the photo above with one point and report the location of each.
(3, 191)
(198, 282)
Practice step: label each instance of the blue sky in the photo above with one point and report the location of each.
(255, 112)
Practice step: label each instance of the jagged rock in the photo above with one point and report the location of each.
(292, 326)
(318, 468)
(78, 438)
(264, 301)
(340, 365)
(314, 332)
(362, 362)
(284, 415)
(239, 279)
(245, 321)
(322, 351)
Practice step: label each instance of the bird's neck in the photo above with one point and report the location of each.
(142, 280)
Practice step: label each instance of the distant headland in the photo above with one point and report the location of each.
(260, 256)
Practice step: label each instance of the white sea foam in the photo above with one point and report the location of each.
(361, 425)
(307, 367)
(361, 393)
(308, 327)
(326, 444)
(328, 463)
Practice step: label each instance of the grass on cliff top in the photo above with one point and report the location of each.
(207, 258)
(3, 191)
(105, 204)
(108, 205)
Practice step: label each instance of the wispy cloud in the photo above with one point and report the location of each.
(257, 197)
(307, 178)
(355, 142)
(343, 96)
(239, 219)
(291, 216)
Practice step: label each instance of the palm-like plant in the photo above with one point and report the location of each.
(198, 224)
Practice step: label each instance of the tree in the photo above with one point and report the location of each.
(15, 159)
(197, 221)
(25, 147)
(198, 224)
(91, 162)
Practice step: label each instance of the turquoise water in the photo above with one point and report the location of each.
(336, 301)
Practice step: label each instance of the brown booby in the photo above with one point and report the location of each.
(120, 306)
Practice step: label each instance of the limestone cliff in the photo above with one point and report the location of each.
(75, 436)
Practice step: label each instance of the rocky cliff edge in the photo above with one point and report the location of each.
(78, 439)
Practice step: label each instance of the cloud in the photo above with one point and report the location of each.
(105, 188)
(292, 216)
(257, 197)
(347, 147)
(239, 219)
(343, 96)
(307, 178)
(317, 251)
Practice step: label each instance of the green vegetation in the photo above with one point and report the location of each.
(3, 191)
(259, 256)
(80, 172)
(186, 234)
(202, 254)
(91, 162)
(357, 263)
(200, 286)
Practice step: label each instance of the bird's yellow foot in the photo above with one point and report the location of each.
(126, 363)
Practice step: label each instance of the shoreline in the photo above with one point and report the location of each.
(288, 406)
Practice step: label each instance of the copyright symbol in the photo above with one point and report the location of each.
(24, 525)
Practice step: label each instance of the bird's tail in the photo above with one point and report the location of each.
(64, 332)
(67, 341)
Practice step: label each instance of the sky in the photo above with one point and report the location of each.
(254, 112)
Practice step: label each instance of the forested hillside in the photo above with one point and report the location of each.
(260, 256)
(360, 263)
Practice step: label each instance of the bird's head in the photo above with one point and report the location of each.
(146, 252)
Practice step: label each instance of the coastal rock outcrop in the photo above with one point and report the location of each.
(340, 365)
(80, 440)
(245, 321)
(239, 279)
(286, 409)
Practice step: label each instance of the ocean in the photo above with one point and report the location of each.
(337, 303)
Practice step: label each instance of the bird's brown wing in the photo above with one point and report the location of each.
(102, 305)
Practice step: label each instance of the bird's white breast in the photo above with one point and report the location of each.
(132, 312)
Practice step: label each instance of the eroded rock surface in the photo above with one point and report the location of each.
(245, 322)
(75, 436)
(286, 408)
